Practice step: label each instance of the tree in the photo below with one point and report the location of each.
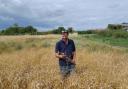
(15, 25)
(16, 30)
(30, 29)
(58, 30)
(70, 30)
(115, 27)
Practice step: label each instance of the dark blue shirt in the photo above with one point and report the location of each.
(67, 49)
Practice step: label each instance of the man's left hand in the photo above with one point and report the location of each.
(73, 61)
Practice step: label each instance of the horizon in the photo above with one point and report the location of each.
(49, 29)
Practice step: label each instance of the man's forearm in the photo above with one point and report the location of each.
(74, 58)
(74, 55)
(58, 55)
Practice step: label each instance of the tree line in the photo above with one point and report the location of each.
(116, 31)
(15, 29)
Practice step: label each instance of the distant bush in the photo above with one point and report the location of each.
(86, 32)
(60, 29)
(33, 45)
(120, 34)
(46, 44)
(17, 30)
(43, 33)
(115, 27)
(3, 47)
(18, 47)
(115, 34)
(104, 33)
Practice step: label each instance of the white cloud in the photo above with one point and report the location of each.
(53, 13)
(3, 18)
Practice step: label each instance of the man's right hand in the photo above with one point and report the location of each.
(61, 56)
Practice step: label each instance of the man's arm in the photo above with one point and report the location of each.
(59, 55)
(74, 58)
(57, 51)
(74, 53)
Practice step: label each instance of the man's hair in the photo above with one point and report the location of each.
(64, 31)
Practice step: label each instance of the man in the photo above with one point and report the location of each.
(65, 51)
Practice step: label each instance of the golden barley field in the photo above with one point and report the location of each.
(28, 62)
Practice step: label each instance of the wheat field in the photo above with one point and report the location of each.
(28, 62)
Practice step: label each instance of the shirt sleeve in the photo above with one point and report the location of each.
(74, 48)
(57, 47)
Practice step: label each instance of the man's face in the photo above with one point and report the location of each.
(64, 35)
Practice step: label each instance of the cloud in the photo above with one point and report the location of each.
(81, 14)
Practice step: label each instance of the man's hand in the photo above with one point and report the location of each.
(60, 55)
(73, 61)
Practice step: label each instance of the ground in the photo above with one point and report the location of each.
(28, 62)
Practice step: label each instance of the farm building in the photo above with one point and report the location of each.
(123, 26)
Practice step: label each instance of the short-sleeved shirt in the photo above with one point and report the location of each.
(67, 49)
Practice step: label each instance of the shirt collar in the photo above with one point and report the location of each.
(64, 42)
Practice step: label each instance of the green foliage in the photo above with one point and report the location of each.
(105, 33)
(86, 32)
(120, 34)
(123, 42)
(60, 29)
(18, 47)
(113, 30)
(10, 46)
(16, 30)
(30, 30)
(43, 33)
(3, 47)
(46, 44)
(115, 34)
(33, 45)
(70, 30)
(115, 27)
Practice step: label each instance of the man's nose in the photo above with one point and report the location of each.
(63, 35)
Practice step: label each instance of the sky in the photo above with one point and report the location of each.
(50, 14)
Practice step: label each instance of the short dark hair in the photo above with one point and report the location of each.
(64, 31)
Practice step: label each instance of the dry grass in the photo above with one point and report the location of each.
(37, 68)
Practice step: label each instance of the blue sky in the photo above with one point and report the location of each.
(49, 14)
